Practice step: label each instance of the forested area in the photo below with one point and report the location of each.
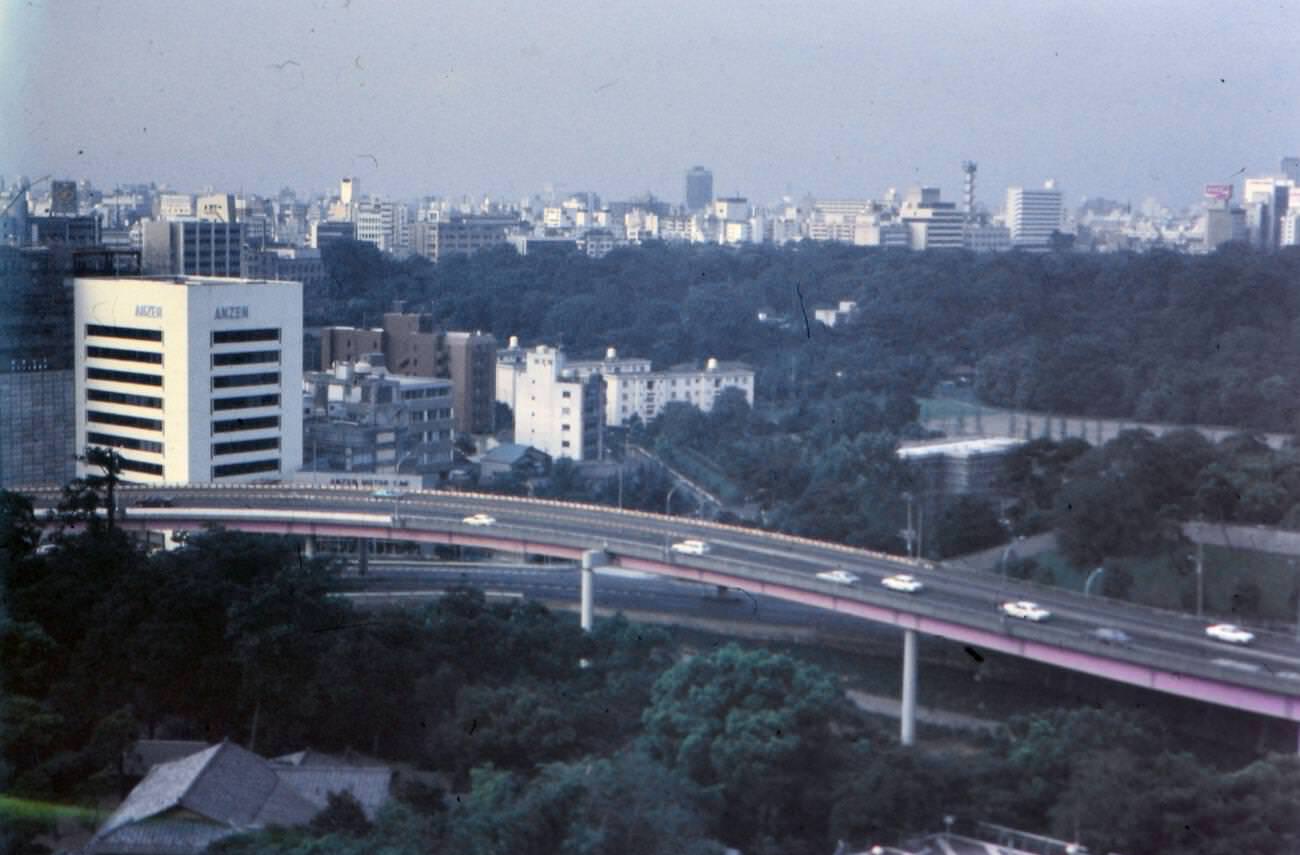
(1158, 336)
(646, 750)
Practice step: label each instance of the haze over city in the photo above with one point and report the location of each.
(667, 429)
(1121, 100)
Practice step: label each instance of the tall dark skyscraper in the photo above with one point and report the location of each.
(1291, 168)
(699, 188)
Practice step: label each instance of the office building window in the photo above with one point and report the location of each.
(244, 446)
(123, 377)
(123, 421)
(123, 398)
(108, 439)
(248, 357)
(124, 355)
(245, 401)
(230, 469)
(228, 381)
(105, 331)
(240, 336)
(233, 425)
(130, 465)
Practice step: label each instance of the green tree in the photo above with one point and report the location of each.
(756, 728)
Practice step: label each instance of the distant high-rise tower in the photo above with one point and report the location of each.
(349, 196)
(1291, 169)
(968, 189)
(1033, 215)
(699, 188)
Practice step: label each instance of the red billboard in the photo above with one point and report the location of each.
(1218, 192)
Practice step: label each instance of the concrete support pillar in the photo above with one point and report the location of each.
(907, 731)
(591, 559)
(309, 546)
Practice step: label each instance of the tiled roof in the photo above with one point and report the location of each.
(221, 789)
(159, 837)
(369, 786)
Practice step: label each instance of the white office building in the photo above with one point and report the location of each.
(190, 379)
(555, 410)
(1033, 215)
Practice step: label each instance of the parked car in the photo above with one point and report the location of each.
(479, 519)
(904, 582)
(841, 577)
(690, 547)
(1025, 610)
(1230, 633)
(387, 493)
(47, 549)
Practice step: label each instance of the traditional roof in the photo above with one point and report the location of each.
(369, 786)
(218, 791)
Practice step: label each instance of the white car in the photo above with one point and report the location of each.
(690, 547)
(1230, 633)
(479, 519)
(841, 577)
(904, 582)
(387, 493)
(1026, 610)
(47, 549)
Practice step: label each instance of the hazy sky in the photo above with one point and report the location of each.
(841, 99)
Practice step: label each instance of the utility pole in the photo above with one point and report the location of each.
(1200, 579)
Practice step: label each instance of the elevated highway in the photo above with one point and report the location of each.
(1167, 652)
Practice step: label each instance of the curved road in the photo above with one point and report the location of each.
(1168, 651)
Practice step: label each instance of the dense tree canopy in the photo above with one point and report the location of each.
(1159, 336)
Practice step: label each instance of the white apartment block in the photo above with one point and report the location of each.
(1032, 215)
(190, 379)
(555, 410)
(633, 389)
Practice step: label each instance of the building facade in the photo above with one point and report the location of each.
(192, 247)
(190, 379)
(633, 389)
(1033, 215)
(555, 410)
(361, 418)
(699, 188)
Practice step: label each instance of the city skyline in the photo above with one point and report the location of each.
(1112, 101)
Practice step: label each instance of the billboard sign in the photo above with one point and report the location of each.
(1218, 192)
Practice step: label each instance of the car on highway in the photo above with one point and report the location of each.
(1230, 633)
(1249, 667)
(1025, 610)
(690, 547)
(387, 493)
(904, 582)
(479, 519)
(1110, 635)
(840, 577)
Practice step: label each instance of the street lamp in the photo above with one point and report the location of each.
(668, 502)
(909, 533)
(1092, 577)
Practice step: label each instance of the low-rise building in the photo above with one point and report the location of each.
(958, 467)
(511, 460)
(360, 418)
(632, 388)
(186, 804)
(412, 346)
